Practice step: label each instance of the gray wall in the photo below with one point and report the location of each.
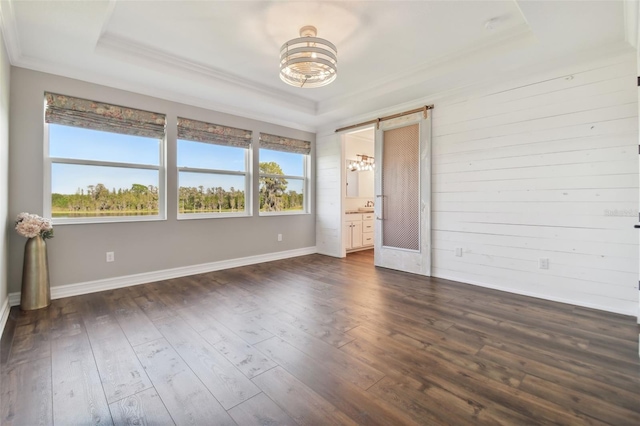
(4, 169)
(77, 253)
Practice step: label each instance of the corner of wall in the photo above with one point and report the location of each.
(5, 70)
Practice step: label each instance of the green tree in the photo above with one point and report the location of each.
(271, 188)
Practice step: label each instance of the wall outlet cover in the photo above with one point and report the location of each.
(543, 263)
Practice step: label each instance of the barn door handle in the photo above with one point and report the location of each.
(381, 207)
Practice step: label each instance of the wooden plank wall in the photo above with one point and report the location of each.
(542, 168)
(329, 195)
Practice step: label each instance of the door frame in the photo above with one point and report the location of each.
(381, 255)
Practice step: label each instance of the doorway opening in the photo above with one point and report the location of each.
(358, 193)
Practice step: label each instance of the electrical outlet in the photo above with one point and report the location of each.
(110, 257)
(458, 251)
(279, 237)
(543, 263)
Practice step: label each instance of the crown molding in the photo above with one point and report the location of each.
(161, 93)
(259, 102)
(8, 26)
(10, 31)
(132, 52)
(111, 6)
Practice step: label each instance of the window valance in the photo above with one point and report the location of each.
(280, 143)
(201, 131)
(77, 112)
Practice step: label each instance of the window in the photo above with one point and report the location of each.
(213, 170)
(283, 174)
(104, 162)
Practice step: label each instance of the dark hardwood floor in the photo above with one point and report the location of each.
(315, 341)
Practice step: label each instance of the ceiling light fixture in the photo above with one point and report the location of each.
(363, 163)
(308, 61)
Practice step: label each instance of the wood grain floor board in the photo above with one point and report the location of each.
(78, 396)
(260, 410)
(578, 401)
(267, 285)
(200, 319)
(136, 325)
(350, 369)
(459, 386)
(614, 395)
(225, 382)
(247, 328)
(275, 323)
(31, 337)
(26, 393)
(602, 344)
(7, 336)
(316, 340)
(120, 371)
(186, 398)
(415, 404)
(499, 372)
(566, 361)
(152, 306)
(301, 403)
(142, 408)
(247, 358)
(332, 386)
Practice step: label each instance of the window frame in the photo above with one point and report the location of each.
(48, 170)
(306, 167)
(248, 210)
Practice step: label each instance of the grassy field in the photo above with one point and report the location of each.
(106, 213)
(112, 213)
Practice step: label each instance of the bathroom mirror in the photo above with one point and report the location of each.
(359, 184)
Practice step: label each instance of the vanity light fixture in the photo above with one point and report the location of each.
(363, 163)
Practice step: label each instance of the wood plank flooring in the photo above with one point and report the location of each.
(312, 341)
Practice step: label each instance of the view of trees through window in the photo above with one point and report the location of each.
(211, 200)
(96, 174)
(211, 178)
(98, 200)
(100, 174)
(286, 193)
(275, 194)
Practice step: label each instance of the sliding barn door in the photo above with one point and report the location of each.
(403, 193)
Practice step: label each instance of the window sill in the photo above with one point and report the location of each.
(285, 213)
(192, 216)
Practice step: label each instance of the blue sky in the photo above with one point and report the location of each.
(78, 143)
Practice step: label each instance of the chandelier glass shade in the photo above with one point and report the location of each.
(308, 61)
(363, 163)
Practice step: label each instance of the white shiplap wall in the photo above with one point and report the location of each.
(543, 168)
(329, 194)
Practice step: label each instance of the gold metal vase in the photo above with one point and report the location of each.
(36, 293)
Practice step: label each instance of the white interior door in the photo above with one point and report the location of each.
(403, 193)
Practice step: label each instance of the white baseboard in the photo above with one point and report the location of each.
(629, 312)
(77, 289)
(4, 314)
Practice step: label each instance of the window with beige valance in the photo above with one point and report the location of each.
(214, 173)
